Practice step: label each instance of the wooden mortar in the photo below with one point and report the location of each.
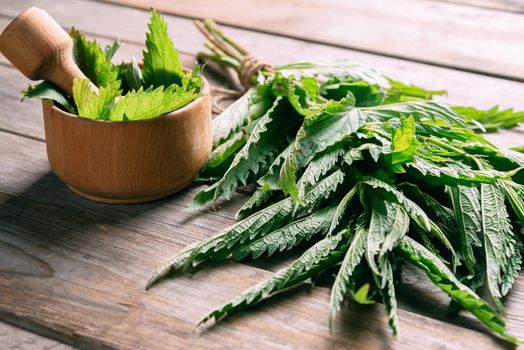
(106, 161)
(133, 161)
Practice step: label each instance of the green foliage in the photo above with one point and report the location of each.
(352, 258)
(502, 250)
(445, 280)
(162, 66)
(492, 119)
(49, 91)
(467, 210)
(127, 92)
(379, 174)
(91, 105)
(288, 236)
(95, 63)
(404, 142)
(327, 251)
(145, 104)
(133, 75)
(265, 141)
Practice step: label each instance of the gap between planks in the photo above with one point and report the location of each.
(444, 34)
(464, 88)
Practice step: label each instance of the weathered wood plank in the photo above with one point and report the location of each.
(502, 5)
(418, 294)
(76, 268)
(470, 38)
(13, 338)
(464, 88)
(195, 232)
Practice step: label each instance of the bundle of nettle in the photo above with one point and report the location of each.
(369, 172)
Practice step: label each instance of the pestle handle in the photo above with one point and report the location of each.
(39, 48)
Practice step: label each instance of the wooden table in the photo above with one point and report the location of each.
(74, 270)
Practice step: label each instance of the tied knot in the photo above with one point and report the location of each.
(249, 67)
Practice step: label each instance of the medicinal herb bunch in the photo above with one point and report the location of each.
(373, 175)
(127, 92)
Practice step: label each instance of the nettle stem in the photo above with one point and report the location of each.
(224, 48)
(457, 150)
(228, 52)
(213, 27)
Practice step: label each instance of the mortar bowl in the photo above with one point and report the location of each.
(129, 161)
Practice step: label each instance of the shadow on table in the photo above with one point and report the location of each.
(47, 215)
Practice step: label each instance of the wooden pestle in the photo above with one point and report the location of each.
(35, 44)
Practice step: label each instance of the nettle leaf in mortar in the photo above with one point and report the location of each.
(126, 91)
(371, 174)
(143, 104)
(162, 66)
(94, 62)
(49, 91)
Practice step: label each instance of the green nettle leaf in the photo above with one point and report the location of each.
(133, 75)
(352, 258)
(91, 105)
(399, 228)
(270, 181)
(404, 142)
(370, 174)
(466, 205)
(361, 296)
(515, 195)
(265, 141)
(502, 250)
(226, 151)
(232, 119)
(400, 91)
(452, 175)
(381, 224)
(423, 111)
(419, 217)
(162, 66)
(146, 104)
(192, 81)
(321, 164)
(49, 91)
(343, 69)
(315, 259)
(387, 292)
(445, 280)
(288, 236)
(221, 245)
(258, 200)
(315, 138)
(518, 149)
(94, 62)
(110, 50)
(443, 214)
(492, 119)
(341, 208)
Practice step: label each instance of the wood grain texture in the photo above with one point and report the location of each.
(130, 162)
(77, 269)
(463, 88)
(73, 269)
(13, 338)
(41, 49)
(469, 38)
